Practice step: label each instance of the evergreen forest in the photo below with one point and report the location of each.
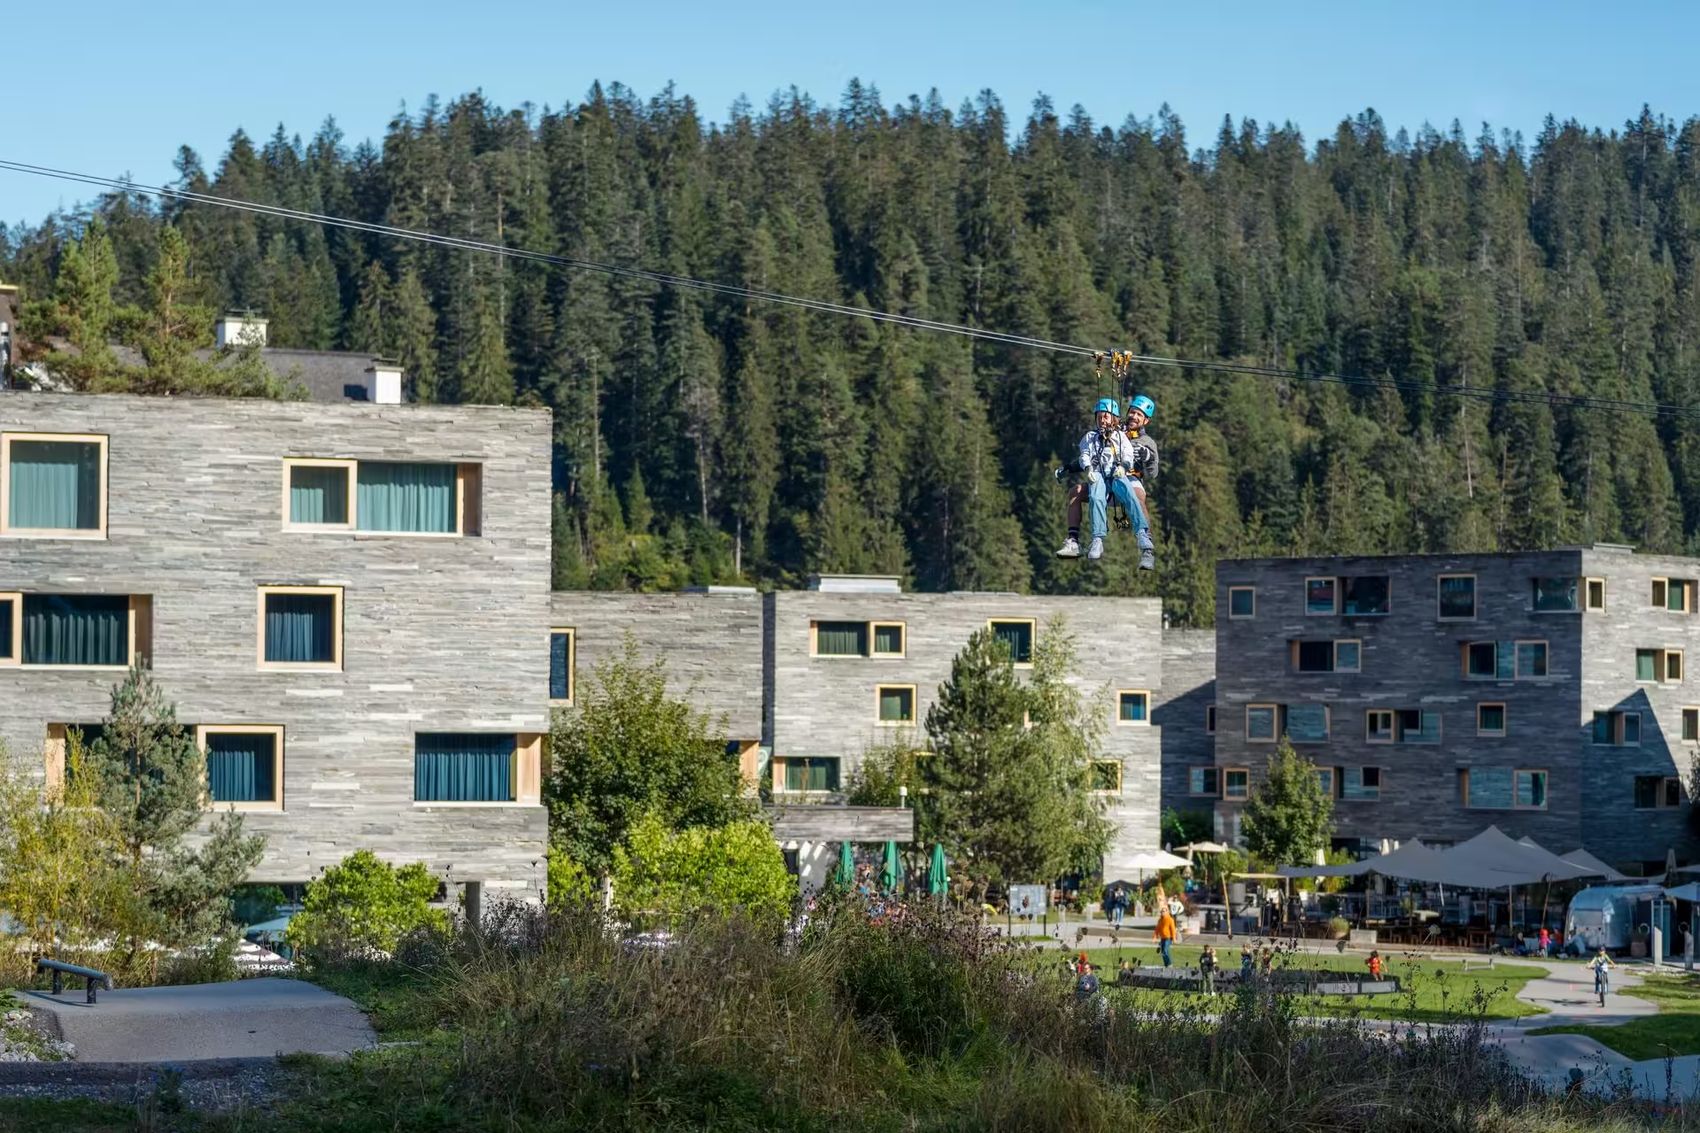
(707, 438)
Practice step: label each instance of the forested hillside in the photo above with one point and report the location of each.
(702, 438)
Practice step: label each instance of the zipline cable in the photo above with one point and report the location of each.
(913, 322)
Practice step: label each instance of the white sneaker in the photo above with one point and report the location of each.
(1096, 550)
(1070, 548)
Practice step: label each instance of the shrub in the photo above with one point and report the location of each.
(666, 877)
(569, 882)
(363, 905)
(1339, 928)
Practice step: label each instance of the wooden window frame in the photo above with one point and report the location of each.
(1619, 729)
(525, 773)
(1681, 667)
(778, 764)
(1464, 648)
(1223, 783)
(1475, 605)
(1275, 719)
(1504, 716)
(1232, 590)
(873, 638)
(1588, 606)
(1192, 794)
(1661, 587)
(814, 640)
(572, 664)
(1392, 715)
(1146, 693)
(264, 666)
(1687, 713)
(350, 473)
(273, 730)
(1032, 635)
(914, 706)
(1545, 787)
(16, 598)
(7, 529)
(1517, 673)
(1209, 719)
(1358, 641)
(139, 628)
(1104, 792)
(1340, 597)
(1380, 782)
(1281, 728)
(1658, 594)
(1333, 788)
(1660, 804)
(1333, 578)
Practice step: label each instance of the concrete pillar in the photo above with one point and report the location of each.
(1658, 947)
(474, 903)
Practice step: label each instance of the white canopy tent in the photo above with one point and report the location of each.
(1689, 892)
(1583, 858)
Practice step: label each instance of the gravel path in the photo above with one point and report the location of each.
(216, 1084)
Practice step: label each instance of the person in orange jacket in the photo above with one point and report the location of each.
(1165, 934)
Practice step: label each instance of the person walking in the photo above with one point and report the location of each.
(1546, 941)
(1602, 965)
(1207, 969)
(1374, 963)
(1248, 962)
(1165, 934)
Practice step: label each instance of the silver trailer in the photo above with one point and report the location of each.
(1607, 915)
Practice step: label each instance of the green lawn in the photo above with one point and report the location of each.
(1433, 991)
(1675, 1030)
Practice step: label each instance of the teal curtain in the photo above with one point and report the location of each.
(1645, 667)
(318, 494)
(811, 775)
(888, 639)
(1018, 636)
(463, 768)
(300, 628)
(1531, 789)
(241, 768)
(55, 485)
(1490, 788)
(1133, 706)
(1307, 723)
(1458, 597)
(560, 657)
(76, 629)
(841, 639)
(406, 497)
(6, 645)
(897, 705)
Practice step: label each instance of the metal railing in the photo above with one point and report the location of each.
(60, 970)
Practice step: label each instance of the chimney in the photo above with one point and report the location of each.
(383, 382)
(239, 328)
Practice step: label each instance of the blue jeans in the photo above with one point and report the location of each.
(1132, 500)
(1163, 947)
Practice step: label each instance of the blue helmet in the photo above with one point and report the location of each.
(1144, 404)
(1109, 405)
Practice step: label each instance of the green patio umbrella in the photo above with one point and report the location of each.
(938, 881)
(890, 872)
(846, 875)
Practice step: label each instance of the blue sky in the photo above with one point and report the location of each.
(115, 88)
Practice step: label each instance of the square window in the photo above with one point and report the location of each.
(1307, 723)
(318, 493)
(1378, 726)
(1691, 725)
(841, 639)
(399, 498)
(1490, 719)
(1650, 792)
(1017, 635)
(300, 627)
(1322, 596)
(244, 765)
(1555, 595)
(1260, 723)
(1531, 790)
(1596, 594)
(464, 767)
(1348, 656)
(888, 638)
(1209, 719)
(54, 485)
(1481, 660)
(1133, 706)
(808, 774)
(896, 704)
(563, 665)
(1457, 597)
(1360, 784)
(1236, 783)
(1106, 776)
(1313, 656)
(1242, 601)
(1204, 781)
(1419, 726)
(1531, 660)
(1674, 594)
(1366, 595)
(80, 630)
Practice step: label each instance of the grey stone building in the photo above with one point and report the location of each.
(347, 602)
(1543, 692)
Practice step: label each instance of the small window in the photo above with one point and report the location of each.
(1209, 719)
(841, 639)
(1018, 636)
(1204, 781)
(84, 631)
(1661, 666)
(563, 665)
(1236, 782)
(1366, 595)
(1457, 597)
(1617, 729)
(1260, 723)
(889, 638)
(1417, 726)
(1133, 706)
(1378, 726)
(896, 704)
(1360, 784)
(1595, 589)
(1673, 666)
(301, 627)
(1242, 602)
(1555, 596)
(1306, 723)
(1313, 656)
(1490, 719)
(1691, 725)
(1322, 596)
(1328, 778)
(1531, 660)
(11, 627)
(803, 775)
(319, 494)
(1486, 788)
(54, 485)
(1531, 790)
(464, 767)
(1106, 776)
(1481, 660)
(1348, 656)
(244, 765)
(1657, 792)
(1674, 594)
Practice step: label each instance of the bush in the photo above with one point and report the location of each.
(363, 905)
(663, 877)
(570, 883)
(1339, 928)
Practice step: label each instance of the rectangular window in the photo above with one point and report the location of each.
(1595, 588)
(1531, 660)
(54, 485)
(1209, 719)
(1673, 666)
(1657, 792)
(1531, 790)
(1418, 726)
(11, 627)
(1366, 595)
(1242, 602)
(563, 665)
(1617, 729)
(1260, 723)
(81, 630)
(808, 774)
(1481, 660)
(464, 767)
(1490, 719)
(1555, 595)
(1691, 725)
(1204, 781)
(896, 704)
(1647, 664)
(1307, 723)
(1674, 594)
(841, 639)
(1663, 666)
(1457, 597)
(1133, 706)
(1106, 776)
(319, 493)
(414, 499)
(1360, 784)
(1313, 656)
(1322, 596)
(889, 639)
(1236, 782)
(300, 627)
(1348, 656)
(1379, 726)
(1328, 778)
(244, 765)
(1018, 636)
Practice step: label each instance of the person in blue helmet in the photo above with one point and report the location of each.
(1143, 471)
(1106, 458)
